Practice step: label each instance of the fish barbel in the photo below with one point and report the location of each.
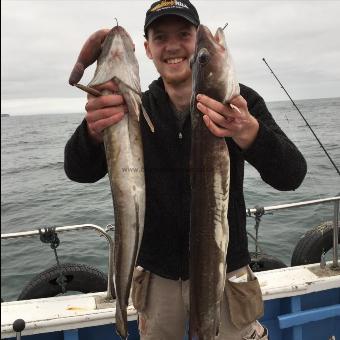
(213, 75)
(114, 50)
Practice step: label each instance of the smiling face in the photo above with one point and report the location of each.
(170, 43)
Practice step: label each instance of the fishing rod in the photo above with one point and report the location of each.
(316, 137)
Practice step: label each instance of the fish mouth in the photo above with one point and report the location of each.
(174, 61)
(204, 36)
(202, 31)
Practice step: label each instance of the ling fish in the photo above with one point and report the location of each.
(213, 75)
(114, 51)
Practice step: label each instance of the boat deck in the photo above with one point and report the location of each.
(285, 292)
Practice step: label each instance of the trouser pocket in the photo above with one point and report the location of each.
(140, 285)
(244, 300)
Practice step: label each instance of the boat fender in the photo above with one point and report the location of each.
(263, 262)
(313, 244)
(79, 278)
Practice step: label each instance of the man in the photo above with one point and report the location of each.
(160, 287)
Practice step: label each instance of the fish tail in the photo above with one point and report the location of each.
(88, 55)
(77, 73)
(218, 321)
(193, 329)
(121, 321)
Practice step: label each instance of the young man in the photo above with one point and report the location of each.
(160, 289)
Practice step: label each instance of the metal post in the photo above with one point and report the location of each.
(335, 234)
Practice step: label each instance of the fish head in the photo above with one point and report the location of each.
(119, 31)
(113, 49)
(117, 59)
(212, 68)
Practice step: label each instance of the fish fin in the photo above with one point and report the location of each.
(147, 118)
(123, 85)
(101, 76)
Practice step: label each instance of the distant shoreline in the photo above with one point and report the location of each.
(16, 112)
(40, 114)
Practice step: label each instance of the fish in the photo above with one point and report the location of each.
(114, 51)
(213, 74)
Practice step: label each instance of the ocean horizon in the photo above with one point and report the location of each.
(70, 105)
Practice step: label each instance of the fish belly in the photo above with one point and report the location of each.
(125, 167)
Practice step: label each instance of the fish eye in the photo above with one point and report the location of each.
(203, 56)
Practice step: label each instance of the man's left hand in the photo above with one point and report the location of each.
(229, 120)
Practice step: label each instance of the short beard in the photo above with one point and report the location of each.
(177, 80)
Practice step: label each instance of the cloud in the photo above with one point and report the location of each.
(29, 106)
(41, 41)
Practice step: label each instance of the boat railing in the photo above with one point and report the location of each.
(98, 229)
(250, 212)
(259, 211)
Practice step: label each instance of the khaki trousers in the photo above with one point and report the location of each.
(163, 309)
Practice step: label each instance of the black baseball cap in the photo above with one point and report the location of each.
(182, 8)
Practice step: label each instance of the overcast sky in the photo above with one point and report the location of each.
(41, 39)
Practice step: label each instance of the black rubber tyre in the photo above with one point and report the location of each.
(265, 262)
(79, 278)
(313, 243)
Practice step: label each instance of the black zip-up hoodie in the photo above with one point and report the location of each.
(165, 245)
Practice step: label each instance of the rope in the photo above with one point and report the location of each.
(258, 214)
(253, 237)
(49, 235)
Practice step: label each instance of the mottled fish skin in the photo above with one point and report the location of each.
(213, 75)
(124, 154)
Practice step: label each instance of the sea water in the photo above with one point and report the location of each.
(36, 193)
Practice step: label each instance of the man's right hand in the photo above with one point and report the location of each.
(104, 111)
